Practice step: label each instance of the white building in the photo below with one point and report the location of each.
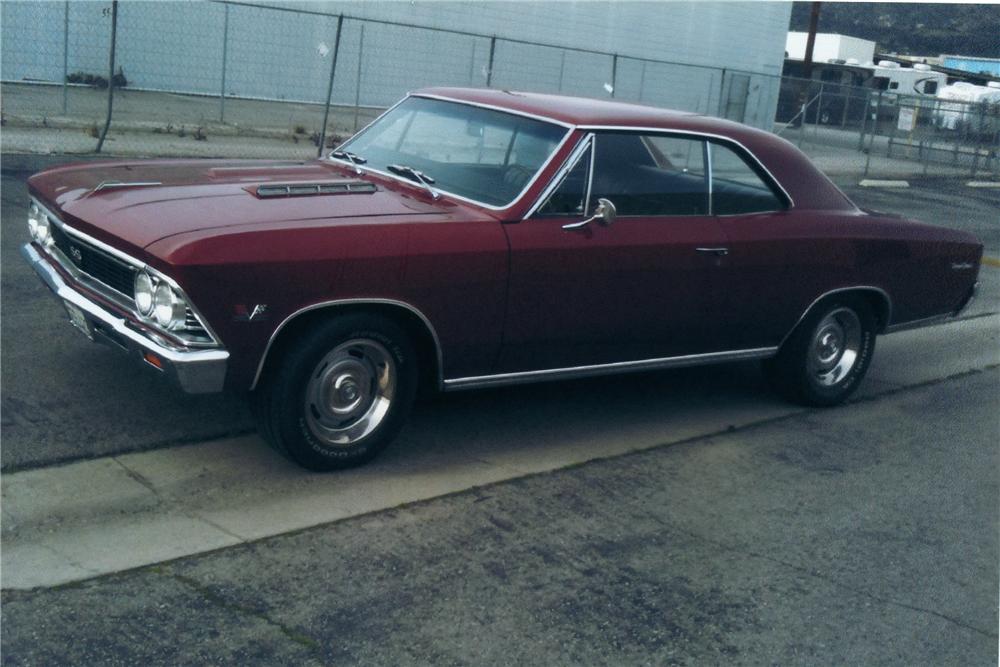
(829, 46)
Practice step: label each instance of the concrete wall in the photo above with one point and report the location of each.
(275, 54)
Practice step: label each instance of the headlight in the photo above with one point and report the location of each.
(143, 289)
(38, 225)
(169, 308)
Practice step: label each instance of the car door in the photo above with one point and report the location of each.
(639, 288)
(776, 265)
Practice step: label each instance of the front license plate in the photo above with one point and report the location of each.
(77, 319)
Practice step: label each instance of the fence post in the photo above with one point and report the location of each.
(329, 89)
(562, 68)
(472, 64)
(642, 80)
(819, 110)
(975, 143)
(864, 120)
(614, 73)
(65, 83)
(357, 79)
(722, 94)
(489, 65)
(111, 74)
(225, 50)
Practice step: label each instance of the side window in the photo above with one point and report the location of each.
(737, 187)
(650, 175)
(568, 198)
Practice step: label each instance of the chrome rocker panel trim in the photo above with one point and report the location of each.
(195, 371)
(607, 369)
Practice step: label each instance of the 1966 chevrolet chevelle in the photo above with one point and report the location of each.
(473, 238)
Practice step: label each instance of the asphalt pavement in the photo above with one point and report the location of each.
(862, 535)
(683, 517)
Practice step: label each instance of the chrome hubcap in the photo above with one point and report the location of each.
(350, 392)
(835, 347)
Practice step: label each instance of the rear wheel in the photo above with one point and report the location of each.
(827, 355)
(339, 396)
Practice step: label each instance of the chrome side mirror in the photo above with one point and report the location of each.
(604, 214)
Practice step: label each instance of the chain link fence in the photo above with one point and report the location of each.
(892, 134)
(193, 79)
(197, 76)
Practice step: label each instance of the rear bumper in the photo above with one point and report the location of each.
(194, 371)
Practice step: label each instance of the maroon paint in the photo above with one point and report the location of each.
(503, 293)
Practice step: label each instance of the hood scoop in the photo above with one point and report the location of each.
(274, 190)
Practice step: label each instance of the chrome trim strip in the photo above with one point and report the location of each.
(352, 302)
(706, 151)
(112, 185)
(196, 371)
(693, 133)
(128, 259)
(490, 207)
(526, 114)
(916, 324)
(870, 288)
(560, 175)
(606, 369)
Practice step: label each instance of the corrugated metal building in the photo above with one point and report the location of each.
(719, 58)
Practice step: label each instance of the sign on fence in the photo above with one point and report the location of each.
(907, 119)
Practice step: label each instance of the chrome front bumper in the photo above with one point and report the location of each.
(194, 371)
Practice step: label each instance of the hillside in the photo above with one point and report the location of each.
(911, 29)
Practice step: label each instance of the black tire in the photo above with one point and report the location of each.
(827, 355)
(340, 394)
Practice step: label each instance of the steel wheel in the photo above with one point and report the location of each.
(835, 347)
(825, 358)
(350, 392)
(339, 391)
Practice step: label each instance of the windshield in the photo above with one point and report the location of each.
(480, 154)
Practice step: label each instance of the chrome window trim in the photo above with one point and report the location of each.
(560, 176)
(517, 198)
(483, 105)
(707, 136)
(353, 302)
(706, 151)
(504, 379)
(104, 289)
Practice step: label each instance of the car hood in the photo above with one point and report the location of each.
(143, 202)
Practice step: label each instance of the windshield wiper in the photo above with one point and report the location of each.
(419, 176)
(347, 156)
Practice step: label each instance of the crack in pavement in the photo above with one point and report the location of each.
(222, 603)
(172, 501)
(744, 549)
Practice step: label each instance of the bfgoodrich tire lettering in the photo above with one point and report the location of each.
(827, 355)
(340, 394)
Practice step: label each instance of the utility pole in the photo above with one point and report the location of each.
(807, 61)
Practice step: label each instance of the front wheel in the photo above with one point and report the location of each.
(339, 395)
(827, 355)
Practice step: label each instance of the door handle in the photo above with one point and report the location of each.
(718, 252)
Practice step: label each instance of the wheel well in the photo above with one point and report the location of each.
(424, 340)
(877, 299)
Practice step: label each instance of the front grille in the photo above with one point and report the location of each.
(96, 263)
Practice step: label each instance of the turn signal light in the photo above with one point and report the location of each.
(153, 360)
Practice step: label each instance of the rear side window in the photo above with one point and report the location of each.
(737, 186)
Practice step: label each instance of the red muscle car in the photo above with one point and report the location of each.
(474, 238)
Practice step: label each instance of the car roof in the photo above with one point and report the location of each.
(793, 171)
(562, 108)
